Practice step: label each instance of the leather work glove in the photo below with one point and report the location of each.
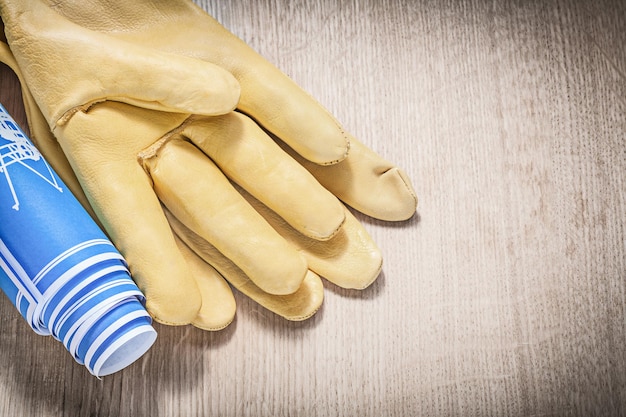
(139, 95)
(340, 258)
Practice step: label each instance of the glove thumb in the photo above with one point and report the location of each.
(69, 68)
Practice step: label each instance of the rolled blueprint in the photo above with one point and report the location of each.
(59, 269)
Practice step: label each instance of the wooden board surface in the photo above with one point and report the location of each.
(504, 296)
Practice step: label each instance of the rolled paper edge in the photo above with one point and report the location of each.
(128, 336)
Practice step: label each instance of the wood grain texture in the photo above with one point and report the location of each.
(504, 296)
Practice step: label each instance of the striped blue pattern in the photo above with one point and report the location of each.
(57, 267)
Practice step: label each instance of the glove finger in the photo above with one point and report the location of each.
(366, 182)
(124, 201)
(108, 68)
(268, 96)
(249, 157)
(350, 259)
(282, 107)
(212, 208)
(300, 305)
(218, 303)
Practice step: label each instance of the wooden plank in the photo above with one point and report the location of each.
(505, 295)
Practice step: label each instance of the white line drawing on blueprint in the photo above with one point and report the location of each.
(15, 148)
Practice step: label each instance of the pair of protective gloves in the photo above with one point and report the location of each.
(203, 162)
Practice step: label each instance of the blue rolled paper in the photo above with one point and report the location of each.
(59, 269)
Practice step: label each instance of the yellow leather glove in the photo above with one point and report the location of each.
(104, 140)
(350, 259)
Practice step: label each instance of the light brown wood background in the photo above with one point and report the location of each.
(504, 296)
